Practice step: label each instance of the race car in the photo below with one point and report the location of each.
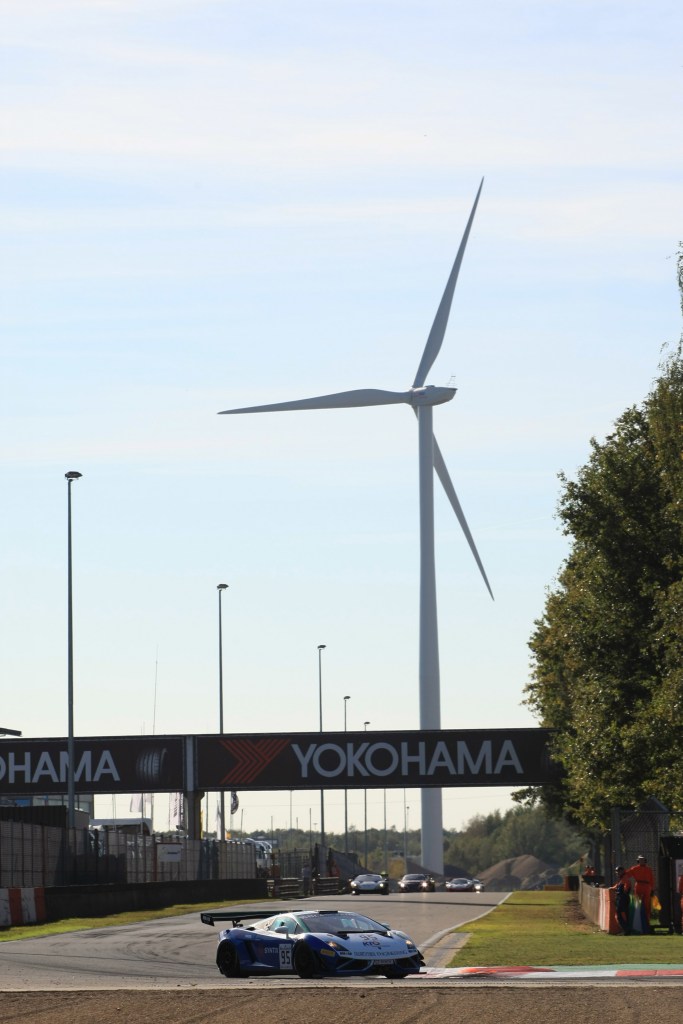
(371, 884)
(416, 883)
(312, 944)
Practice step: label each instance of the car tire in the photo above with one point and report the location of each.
(396, 974)
(229, 962)
(304, 960)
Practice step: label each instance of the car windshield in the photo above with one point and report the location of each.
(369, 878)
(414, 878)
(338, 922)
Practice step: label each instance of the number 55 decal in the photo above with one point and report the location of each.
(286, 957)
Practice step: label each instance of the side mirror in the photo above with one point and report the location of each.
(282, 930)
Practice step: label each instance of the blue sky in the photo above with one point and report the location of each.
(215, 204)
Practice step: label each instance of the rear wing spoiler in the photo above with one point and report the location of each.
(211, 916)
(236, 917)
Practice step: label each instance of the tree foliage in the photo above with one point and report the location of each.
(607, 654)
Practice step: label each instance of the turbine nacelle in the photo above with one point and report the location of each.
(430, 395)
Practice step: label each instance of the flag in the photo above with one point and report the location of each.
(234, 802)
(177, 811)
(137, 803)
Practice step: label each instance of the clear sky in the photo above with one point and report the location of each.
(215, 204)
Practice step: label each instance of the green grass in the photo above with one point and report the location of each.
(543, 929)
(538, 929)
(75, 924)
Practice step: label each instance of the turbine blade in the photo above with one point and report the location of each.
(342, 400)
(442, 473)
(436, 335)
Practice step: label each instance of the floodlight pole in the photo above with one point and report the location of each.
(221, 587)
(346, 794)
(71, 788)
(321, 648)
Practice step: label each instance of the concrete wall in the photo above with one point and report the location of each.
(21, 906)
(597, 904)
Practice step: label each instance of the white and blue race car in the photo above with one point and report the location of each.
(312, 944)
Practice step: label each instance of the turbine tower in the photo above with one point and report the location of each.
(422, 398)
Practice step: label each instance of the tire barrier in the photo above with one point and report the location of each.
(22, 906)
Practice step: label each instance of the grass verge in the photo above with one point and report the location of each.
(76, 924)
(543, 929)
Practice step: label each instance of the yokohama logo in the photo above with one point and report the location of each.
(251, 757)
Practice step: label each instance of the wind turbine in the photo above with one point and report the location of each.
(422, 398)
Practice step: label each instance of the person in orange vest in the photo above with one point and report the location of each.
(644, 879)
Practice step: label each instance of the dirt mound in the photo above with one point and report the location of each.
(525, 872)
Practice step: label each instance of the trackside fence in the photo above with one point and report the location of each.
(37, 855)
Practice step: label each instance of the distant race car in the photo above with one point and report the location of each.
(312, 944)
(416, 883)
(369, 884)
(459, 885)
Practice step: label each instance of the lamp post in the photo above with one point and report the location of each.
(321, 648)
(71, 789)
(365, 813)
(405, 833)
(386, 852)
(221, 587)
(346, 795)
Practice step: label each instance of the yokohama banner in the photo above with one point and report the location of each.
(271, 761)
(497, 757)
(119, 764)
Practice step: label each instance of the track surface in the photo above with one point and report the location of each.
(180, 952)
(164, 971)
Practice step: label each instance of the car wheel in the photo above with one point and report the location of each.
(304, 961)
(385, 892)
(228, 961)
(396, 974)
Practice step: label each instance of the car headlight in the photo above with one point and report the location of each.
(336, 946)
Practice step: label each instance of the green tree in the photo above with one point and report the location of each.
(607, 652)
(486, 840)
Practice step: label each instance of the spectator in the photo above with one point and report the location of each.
(643, 876)
(622, 900)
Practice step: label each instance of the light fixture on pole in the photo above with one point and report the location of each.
(221, 587)
(346, 795)
(365, 813)
(70, 769)
(321, 648)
